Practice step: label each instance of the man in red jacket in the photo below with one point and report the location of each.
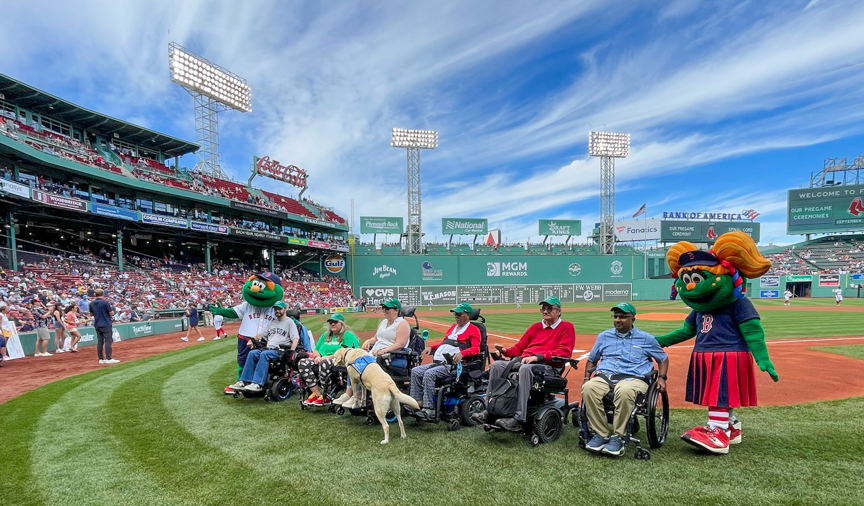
(550, 337)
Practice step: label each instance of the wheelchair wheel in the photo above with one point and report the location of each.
(280, 390)
(547, 428)
(657, 419)
(453, 426)
(474, 404)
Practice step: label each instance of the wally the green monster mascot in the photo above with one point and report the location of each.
(260, 292)
(729, 335)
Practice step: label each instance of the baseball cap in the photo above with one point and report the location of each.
(280, 304)
(336, 317)
(624, 307)
(552, 301)
(269, 276)
(392, 302)
(462, 307)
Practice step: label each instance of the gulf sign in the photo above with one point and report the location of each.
(334, 264)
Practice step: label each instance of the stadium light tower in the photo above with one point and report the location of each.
(608, 146)
(214, 89)
(414, 141)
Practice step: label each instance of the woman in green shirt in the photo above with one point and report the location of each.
(315, 370)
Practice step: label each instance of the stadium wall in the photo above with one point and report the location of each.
(124, 330)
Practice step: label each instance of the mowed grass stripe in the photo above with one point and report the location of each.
(73, 446)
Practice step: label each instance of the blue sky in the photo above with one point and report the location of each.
(728, 104)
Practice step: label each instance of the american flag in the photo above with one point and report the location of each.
(641, 210)
(750, 214)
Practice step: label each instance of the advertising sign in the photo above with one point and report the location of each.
(168, 221)
(60, 201)
(256, 234)
(829, 280)
(828, 209)
(298, 241)
(381, 225)
(243, 206)
(334, 264)
(560, 227)
(637, 230)
(208, 227)
(799, 278)
(14, 188)
(769, 281)
(113, 212)
(704, 231)
(290, 174)
(769, 294)
(465, 226)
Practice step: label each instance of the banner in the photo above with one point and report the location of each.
(167, 221)
(15, 188)
(113, 212)
(769, 294)
(799, 278)
(829, 280)
(560, 227)
(465, 226)
(258, 209)
(447, 296)
(637, 230)
(704, 231)
(298, 241)
(208, 227)
(256, 234)
(381, 225)
(769, 281)
(60, 201)
(827, 209)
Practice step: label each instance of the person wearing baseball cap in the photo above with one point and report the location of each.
(462, 340)
(548, 338)
(280, 331)
(624, 354)
(392, 334)
(315, 370)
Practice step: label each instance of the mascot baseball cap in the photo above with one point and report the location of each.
(624, 307)
(280, 304)
(336, 317)
(697, 257)
(269, 276)
(552, 301)
(392, 302)
(463, 307)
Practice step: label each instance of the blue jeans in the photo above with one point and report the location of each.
(255, 370)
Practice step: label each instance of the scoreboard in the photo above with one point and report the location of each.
(498, 294)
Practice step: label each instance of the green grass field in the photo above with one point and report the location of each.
(159, 431)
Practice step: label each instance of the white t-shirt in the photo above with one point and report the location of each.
(449, 349)
(217, 321)
(253, 320)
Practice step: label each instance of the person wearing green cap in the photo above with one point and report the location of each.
(315, 370)
(624, 354)
(548, 338)
(282, 330)
(461, 341)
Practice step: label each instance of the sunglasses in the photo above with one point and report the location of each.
(458, 313)
(333, 322)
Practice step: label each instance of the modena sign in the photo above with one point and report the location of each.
(272, 168)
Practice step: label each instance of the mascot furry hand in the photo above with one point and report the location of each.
(260, 292)
(729, 335)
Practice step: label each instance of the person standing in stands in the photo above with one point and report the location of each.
(192, 314)
(59, 327)
(102, 315)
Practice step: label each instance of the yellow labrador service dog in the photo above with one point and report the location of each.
(385, 394)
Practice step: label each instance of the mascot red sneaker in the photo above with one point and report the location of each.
(260, 292)
(729, 335)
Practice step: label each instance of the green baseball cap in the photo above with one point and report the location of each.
(280, 304)
(624, 307)
(392, 302)
(552, 301)
(336, 317)
(463, 307)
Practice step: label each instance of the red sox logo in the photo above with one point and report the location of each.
(707, 323)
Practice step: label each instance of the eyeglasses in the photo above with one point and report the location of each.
(332, 323)
(458, 314)
(548, 309)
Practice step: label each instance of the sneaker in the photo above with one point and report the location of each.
(59, 350)
(237, 386)
(253, 387)
(184, 339)
(596, 443)
(228, 391)
(715, 441)
(510, 424)
(217, 338)
(311, 397)
(480, 417)
(46, 354)
(352, 403)
(73, 350)
(425, 414)
(342, 399)
(112, 361)
(317, 401)
(200, 338)
(102, 361)
(735, 432)
(614, 447)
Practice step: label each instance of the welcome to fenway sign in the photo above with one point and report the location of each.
(290, 174)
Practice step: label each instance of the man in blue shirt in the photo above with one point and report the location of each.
(102, 314)
(625, 355)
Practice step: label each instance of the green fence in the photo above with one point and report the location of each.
(124, 330)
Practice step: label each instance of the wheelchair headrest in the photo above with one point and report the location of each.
(407, 311)
(475, 315)
(293, 313)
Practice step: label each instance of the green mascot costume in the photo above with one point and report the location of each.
(729, 335)
(260, 292)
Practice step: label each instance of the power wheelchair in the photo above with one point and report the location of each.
(547, 411)
(652, 406)
(392, 364)
(463, 393)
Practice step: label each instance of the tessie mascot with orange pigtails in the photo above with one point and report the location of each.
(729, 335)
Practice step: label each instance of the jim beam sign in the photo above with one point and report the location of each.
(290, 174)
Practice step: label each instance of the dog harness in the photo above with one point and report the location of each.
(360, 364)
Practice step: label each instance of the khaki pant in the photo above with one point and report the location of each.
(625, 398)
(208, 319)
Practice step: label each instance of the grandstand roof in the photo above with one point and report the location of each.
(33, 99)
